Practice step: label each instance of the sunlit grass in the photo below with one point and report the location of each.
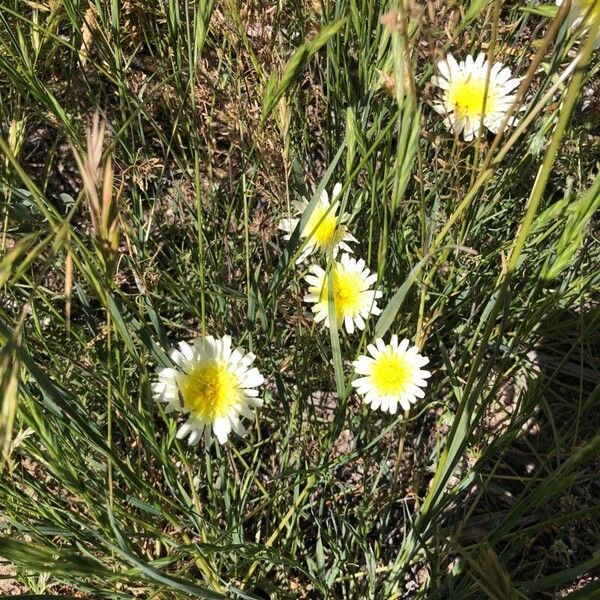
(221, 120)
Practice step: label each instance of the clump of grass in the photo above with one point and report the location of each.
(218, 118)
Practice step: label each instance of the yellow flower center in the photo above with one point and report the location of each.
(347, 286)
(467, 96)
(209, 390)
(391, 374)
(322, 226)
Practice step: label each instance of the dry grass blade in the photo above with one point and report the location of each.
(10, 366)
(217, 121)
(99, 179)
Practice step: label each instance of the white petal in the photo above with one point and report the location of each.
(210, 347)
(172, 406)
(253, 378)
(195, 437)
(245, 411)
(255, 402)
(503, 75)
(404, 402)
(444, 69)
(510, 85)
(288, 225)
(179, 359)
(439, 82)
(236, 426)
(349, 324)
(248, 358)
(453, 66)
(314, 281)
(226, 347)
(470, 131)
(363, 365)
(373, 350)
(221, 428)
(321, 316)
(416, 391)
(186, 350)
(184, 430)
(166, 373)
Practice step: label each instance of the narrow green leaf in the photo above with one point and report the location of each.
(389, 313)
(50, 559)
(277, 86)
(10, 367)
(543, 10)
(562, 578)
(154, 574)
(335, 339)
(21, 256)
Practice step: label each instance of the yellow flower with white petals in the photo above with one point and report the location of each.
(464, 100)
(324, 230)
(391, 375)
(584, 11)
(353, 298)
(213, 384)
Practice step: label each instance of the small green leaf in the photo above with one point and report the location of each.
(543, 10)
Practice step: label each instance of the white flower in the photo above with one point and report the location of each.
(463, 99)
(392, 375)
(324, 230)
(212, 383)
(352, 297)
(583, 11)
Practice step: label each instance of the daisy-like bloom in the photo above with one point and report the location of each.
(392, 375)
(353, 297)
(463, 100)
(213, 384)
(324, 230)
(584, 11)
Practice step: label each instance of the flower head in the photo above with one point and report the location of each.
(324, 229)
(468, 94)
(353, 297)
(584, 11)
(392, 375)
(212, 383)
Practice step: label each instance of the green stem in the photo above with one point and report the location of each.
(109, 406)
(463, 418)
